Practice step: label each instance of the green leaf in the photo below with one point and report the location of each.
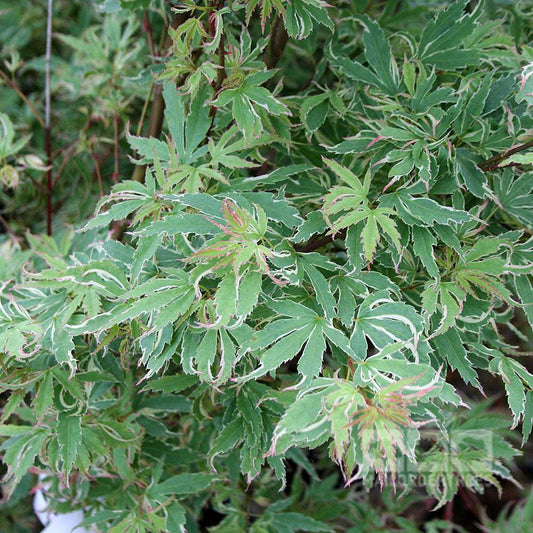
(442, 37)
(281, 352)
(226, 297)
(516, 395)
(300, 15)
(175, 116)
(423, 243)
(249, 290)
(527, 423)
(181, 485)
(321, 287)
(310, 363)
(299, 522)
(449, 346)
(176, 518)
(472, 177)
(525, 292)
(314, 110)
(370, 236)
(69, 439)
(388, 325)
(43, 400)
(379, 56)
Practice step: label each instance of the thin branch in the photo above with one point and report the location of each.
(23, 97)
(158, 105)
(69, 152)
(317, 242)
(147, 27)
(221, 74)
(278, 41)
(98, 174)
(115, 142)
(492, 163)
(144, 110)
(47, 126)
(155, 126)
(8, 228)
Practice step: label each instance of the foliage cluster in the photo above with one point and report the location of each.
(311, 255)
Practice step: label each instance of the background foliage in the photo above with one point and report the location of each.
(274, 271)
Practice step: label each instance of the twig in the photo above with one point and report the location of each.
(155, 126)
(70, 151)
(317, 242)
(492, 163)
(158, 106)
(147, 27)
(144, 110)
(98, 174)
(448, 511)
(47, 126)
(8, 228)
(23, 97)
(221, 74)
(115, 140)
(278, 41)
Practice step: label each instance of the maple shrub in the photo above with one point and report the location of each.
(301, 287)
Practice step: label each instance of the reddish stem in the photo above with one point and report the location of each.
(98, 174)
(115, 128)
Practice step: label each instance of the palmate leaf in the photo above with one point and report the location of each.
(368, 431)
(69, 439)
(449, 347)
(164, 299)
(210, 355)
(378, 220)
(383, 72)
(516, 379)
(469, 453)
(352, 204)
(177, 161)
(19, 453)
(447, 298)
(378, 369)
(390, 326)
(283, 339)
(422, 210)
(233, 254)
(188, 130)
(446, 471)
(514, 196)
(482, 270)
(244, 98)
(305, 422)
(442, 39)
(250, 426)
(180, 485)
(300, 14)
